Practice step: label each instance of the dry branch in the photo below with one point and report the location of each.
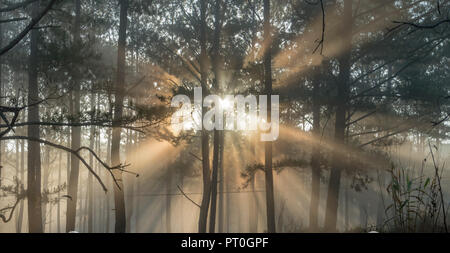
(25, 31)
(75, 153)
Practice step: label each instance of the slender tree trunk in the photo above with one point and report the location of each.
(137, 207)
(340, 121)
(217, 133)
(17, 146)
(212, 218)
(315, 162)
(252, 208)
(1, 96)
(91, 163)
(108, 179)
(45, 185)
(69, 143)
(168, 200)
(130, 184)
(136, 203)
(98, 212)
(81, 214)
(346, 215)
(254, 212)
(75, 136)
(221, 184)
(251, 198)
(34, 149)
(58, 210)
(228, 200)
(203, 217)
(270, 202)
(119, 196)
(22, 180)
(380, 207)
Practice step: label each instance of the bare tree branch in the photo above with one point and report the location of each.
(16, 6)
(11, 20)
(74, 152)
(361, 118)
(418, 26)
(195, 156)
(30, 26)
(3, 217)
(184, 194)
(102, 123)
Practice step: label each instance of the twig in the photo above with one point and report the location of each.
(361, 118)
(184, 194)
(3, 217)
(322, 40)
(17, 6)
(128, 91)
(74, 152)
(194, 155)
(25, 31)
(420, 26)
(442, 120)
(11, 20)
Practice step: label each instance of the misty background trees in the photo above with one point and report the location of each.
(86, 141)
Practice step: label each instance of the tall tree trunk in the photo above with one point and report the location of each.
(228, 201)
(340, 121)
(108, 179)
(83, 208)
(75, 135)
(315, 161)
(1, 95)
(22, 179)
(91, 163)
(253, 210)
(137, 206)
(17, 146)
(222, 184)
(45, 185)
(170, 174)
(217, 133)
(346, 214)
(58, 210)
(131, 183)
(212, 218)
(99, 221)
(119, 196)
(203, 217)
(34, 149)
(253, 227)
(81, 214)
(270, 202)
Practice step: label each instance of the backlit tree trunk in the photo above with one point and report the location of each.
(1, 96)
(90, 197)
(75, 135)
(270, 202)
(221, 204)
(340, 121)
(119, 196)
(34, 149)
(315, 160)
(203, 216)
(217, 133)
